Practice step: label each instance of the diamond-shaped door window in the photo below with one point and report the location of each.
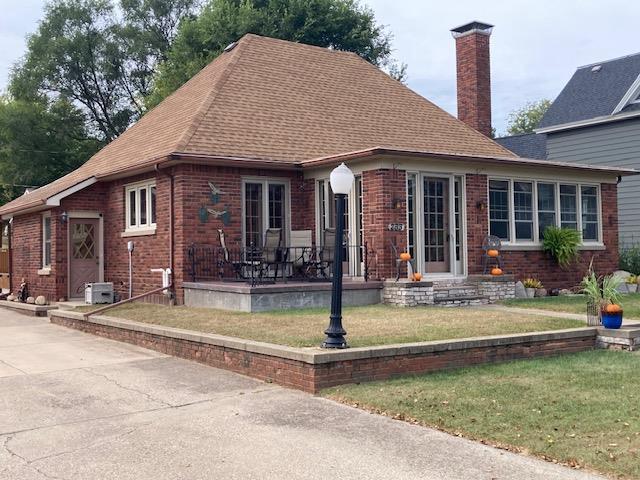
(84, 244)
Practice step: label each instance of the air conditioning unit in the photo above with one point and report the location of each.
(95, 293)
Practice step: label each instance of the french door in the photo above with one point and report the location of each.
(265, 205)
(435, 206)
(353, 253)
(435, 227)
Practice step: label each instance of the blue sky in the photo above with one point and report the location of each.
(535, 46)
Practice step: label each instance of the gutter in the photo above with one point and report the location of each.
(171, 214)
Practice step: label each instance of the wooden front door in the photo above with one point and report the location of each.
(84, 254)
(436, 224)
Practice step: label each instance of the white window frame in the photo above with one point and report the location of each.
(137, 187)
(266, 181)
(537, 242)
(45, 265)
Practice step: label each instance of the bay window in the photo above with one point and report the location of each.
(140, 206)
(521, 210)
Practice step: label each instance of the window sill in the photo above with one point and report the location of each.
(138, 233)
(538, 246)
(44, 271)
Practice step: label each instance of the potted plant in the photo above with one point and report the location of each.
(603, 293)
(632, 283)
(531, 285)
(562, 244)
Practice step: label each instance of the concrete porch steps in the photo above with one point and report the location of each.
(462, 301)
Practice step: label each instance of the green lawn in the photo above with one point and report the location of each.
(574, 304)
(580, 409)
(371, 325)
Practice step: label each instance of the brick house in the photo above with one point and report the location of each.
(265, 123)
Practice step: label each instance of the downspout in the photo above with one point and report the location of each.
(171, 220)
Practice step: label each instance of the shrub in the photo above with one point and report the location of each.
(532, 283)
(562, 244)
(630, 260)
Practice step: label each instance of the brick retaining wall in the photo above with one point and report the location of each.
(311, 370)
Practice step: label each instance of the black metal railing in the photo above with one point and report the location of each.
(280, 264)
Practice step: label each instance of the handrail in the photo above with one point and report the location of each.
(122, 302)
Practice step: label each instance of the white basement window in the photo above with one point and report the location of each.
(140, 200)
(520, 211)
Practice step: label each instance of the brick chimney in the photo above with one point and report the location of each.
(474, 75)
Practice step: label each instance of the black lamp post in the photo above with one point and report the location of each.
(341, 180)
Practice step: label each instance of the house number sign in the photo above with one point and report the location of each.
(396, 227)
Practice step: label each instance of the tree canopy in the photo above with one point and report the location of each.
(339, 24)
(39, 142)
(527, 118)
(100, 56)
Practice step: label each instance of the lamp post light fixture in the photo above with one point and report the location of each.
(341, 180)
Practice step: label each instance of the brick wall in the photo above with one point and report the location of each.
(312, 377)
(380, 188)
(474, 81)
(536, 263)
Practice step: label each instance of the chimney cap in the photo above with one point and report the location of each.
(472, 27)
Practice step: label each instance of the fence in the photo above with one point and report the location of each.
(260, 265)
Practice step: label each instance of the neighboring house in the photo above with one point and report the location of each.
(595, 120)
(265, 123)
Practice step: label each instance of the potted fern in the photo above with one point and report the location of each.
(603, 293)
(562, 244)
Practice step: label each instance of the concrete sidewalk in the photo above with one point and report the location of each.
(74, 406)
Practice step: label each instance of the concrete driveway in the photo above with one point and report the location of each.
(74, 406)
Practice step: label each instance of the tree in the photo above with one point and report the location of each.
(339, 24)
(98, 56)
(39, 142)
(527, 118)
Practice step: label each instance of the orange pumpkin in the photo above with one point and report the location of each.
(493, 253)
(417, 277)
(405, 257)
(613, 308)
(496, 271)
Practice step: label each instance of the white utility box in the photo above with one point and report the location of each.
(95, 293)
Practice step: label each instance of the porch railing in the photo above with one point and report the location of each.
(282, 264)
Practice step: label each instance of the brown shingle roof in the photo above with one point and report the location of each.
(279, 101)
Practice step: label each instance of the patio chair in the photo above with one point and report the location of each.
(272, 254)
(300, 251)
(241, 264)
(323, 259)
(491, 242)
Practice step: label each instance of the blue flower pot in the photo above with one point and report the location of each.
(611, 320)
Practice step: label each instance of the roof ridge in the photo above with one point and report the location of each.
(215, 91)
(608, 61)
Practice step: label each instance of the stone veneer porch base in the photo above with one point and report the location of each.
(242, 297)
(312, 369)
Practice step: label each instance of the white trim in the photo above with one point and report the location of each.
(513, 244)
(629, 97)
(587, 123)
(419, 234)
(137, 187)
(138, 233)
(54, 200)
(43, 264)
(265, 181)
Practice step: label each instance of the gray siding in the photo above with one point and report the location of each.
(616, 144)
